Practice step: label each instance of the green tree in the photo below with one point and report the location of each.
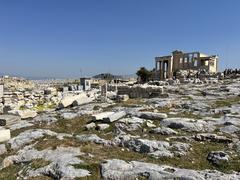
(144, 74)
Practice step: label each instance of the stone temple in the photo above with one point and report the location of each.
(167, 66)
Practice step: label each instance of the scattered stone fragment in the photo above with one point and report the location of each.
(61, 136)
(90, 126)
(150, 124)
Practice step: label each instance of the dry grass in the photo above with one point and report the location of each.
(226, 102)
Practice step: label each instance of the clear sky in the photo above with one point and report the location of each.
(67, 38)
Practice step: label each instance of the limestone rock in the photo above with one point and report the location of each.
(119, 169)
(44, 118)
(163, 131)
(218, 157)
(69, 116)
(61, 164)
(93, 138)
(29, 136)
(20, 124)
(132, 120)
(150, 146)
(230, 129)
(100, 116)
(189, 125)
(166, 154)
(212, 138)
(152, 115)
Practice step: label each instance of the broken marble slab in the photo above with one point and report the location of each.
(79, 99)
(114, 117)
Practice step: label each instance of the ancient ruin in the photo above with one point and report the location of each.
(167, 66)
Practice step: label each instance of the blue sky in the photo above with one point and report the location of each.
(67, 38)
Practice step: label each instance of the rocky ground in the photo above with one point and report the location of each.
(191, 132)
